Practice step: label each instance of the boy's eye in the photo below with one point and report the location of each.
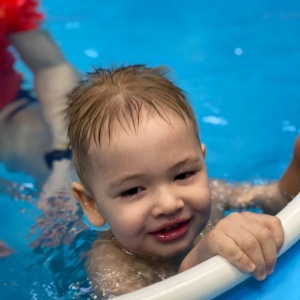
(131, 192)
(184, 175)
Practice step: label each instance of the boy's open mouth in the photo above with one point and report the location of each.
(171, 232)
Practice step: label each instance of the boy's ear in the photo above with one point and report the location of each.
(203, 150)
(88, 205)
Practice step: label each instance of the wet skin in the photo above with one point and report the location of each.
(151, 186)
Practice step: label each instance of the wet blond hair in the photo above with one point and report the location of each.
(118, 95)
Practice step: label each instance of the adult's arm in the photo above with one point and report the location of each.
(54, 77)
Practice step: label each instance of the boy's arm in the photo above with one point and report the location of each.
(248, 241)
(271, 197)
(53, 78)
(268, 197)
(289, 183)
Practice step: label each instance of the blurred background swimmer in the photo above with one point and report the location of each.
(32, 123)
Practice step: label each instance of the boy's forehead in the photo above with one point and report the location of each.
(127, 147)
(112, 131)
(127, 123)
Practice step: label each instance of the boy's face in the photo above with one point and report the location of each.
(151, 186)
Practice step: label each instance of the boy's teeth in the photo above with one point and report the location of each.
(171, 227)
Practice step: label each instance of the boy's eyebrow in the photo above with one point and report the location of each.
(124, 178)
(116, 183)
(188, 160)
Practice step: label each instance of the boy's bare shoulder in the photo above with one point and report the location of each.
(113, 271)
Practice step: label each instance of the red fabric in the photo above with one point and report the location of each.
(15, 16)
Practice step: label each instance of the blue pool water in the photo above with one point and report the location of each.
(238, 62)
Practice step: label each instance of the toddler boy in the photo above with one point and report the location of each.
(138, 155)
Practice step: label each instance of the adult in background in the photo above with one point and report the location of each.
(32, 123)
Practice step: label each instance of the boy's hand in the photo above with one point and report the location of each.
(248, 241)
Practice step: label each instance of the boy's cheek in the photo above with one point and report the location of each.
(202, 198)
(122, 218)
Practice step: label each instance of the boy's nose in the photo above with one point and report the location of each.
(167, 203)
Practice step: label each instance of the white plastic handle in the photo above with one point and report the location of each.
(216, 275)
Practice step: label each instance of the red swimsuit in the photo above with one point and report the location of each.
(15, 16)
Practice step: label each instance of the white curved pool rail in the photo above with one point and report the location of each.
(216, 275)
